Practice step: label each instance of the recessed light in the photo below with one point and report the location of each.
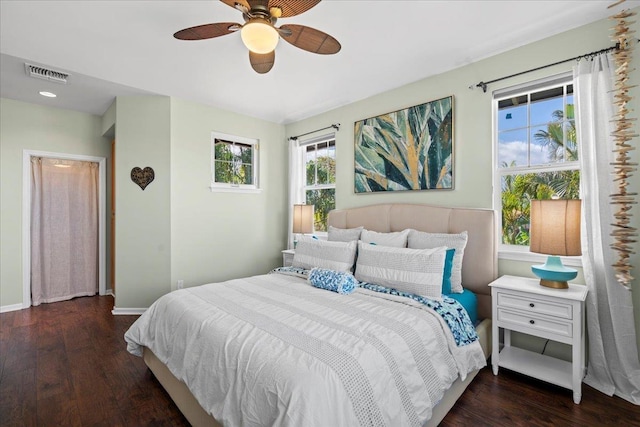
(48, 94)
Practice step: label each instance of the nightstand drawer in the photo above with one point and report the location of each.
(533, 305)
(531, 323)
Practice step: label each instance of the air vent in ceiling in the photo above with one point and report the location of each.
(46, 73)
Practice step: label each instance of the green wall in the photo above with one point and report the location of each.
(143, 218)
(217, 236)
(473, 145)
(177, 229)
(25, 126)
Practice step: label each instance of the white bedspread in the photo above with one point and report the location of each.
(273, 350)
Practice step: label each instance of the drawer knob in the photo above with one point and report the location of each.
(531, 305)
(532, 321)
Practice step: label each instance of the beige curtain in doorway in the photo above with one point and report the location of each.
(64, 229)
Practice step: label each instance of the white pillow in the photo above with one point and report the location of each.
(344, 234)
(417, 271)
(396, 239)
(422, 240)
(338, 256)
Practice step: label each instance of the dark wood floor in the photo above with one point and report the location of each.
(66, 364)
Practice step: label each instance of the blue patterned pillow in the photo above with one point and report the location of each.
(336, 281)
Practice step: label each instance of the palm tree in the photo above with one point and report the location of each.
(565, 184)
(553, 136)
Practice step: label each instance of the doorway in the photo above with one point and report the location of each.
(26, 217)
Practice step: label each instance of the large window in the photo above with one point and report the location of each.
(320, 178)
(234, 163)
(536, 149)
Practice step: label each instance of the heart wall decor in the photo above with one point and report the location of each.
(142, 177)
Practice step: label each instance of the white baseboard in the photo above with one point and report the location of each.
(12, 307)
(127, 311)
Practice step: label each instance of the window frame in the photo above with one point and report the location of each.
(521, 252)
(303, 185)
(223, 187)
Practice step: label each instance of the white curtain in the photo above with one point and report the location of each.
(64, 229)
(296, 176)
(613, 366)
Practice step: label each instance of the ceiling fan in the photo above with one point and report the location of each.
(259, 33)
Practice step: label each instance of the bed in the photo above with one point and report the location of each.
(290, 391)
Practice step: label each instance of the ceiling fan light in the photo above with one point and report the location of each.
(259, 36)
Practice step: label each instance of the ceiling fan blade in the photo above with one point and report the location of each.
(262, 62)
(233, 3)
(292, 7)
(207, 31)
(310, 39)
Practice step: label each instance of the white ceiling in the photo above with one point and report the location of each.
(114, 48)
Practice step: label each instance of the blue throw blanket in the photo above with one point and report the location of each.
(449, 309)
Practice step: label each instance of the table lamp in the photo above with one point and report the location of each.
(555, 231)
(302, 221)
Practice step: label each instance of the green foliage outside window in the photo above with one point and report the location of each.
(519, 189)
(321, 171)
(233, 162)
(324, 201)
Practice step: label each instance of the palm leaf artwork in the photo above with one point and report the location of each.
(408, 149)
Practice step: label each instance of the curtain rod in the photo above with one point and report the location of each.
(484, 85)
(335, 126)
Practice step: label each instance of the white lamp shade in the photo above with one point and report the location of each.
(303, 218)
(555, 227)
(259, 36)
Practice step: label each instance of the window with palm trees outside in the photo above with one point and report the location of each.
(537, 153)
(320, 175)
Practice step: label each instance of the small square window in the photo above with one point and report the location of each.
(234, 165)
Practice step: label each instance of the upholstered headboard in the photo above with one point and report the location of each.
(479, 265)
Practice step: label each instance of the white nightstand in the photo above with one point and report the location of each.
(287, 257)
(521, 304)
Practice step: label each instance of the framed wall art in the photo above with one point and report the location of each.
(409, 149)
